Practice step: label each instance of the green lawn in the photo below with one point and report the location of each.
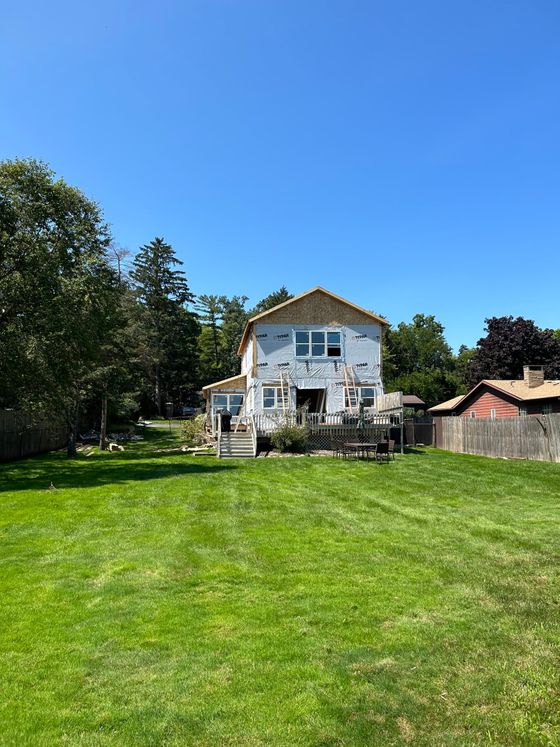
(161, 599)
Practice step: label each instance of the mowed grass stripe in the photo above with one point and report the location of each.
(154, 598)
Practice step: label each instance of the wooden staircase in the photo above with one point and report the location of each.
(237, 445)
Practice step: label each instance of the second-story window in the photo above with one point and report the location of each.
(318, 344)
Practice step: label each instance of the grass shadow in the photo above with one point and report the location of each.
(142, 460)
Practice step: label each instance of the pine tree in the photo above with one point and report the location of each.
(273, 299)
(166, 329)
(233, 323)
(210, 311)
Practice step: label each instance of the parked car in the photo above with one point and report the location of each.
(188, 411)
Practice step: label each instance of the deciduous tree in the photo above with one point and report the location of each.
(511, 344)
(58, 293)
(418, 360)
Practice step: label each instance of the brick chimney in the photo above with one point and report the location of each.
(533, 376)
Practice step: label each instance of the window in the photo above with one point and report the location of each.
(274, 398)
(472, 413)
(546, 408)
(523, 411)
(366, 394)
(228, 401)
(493, 413)
(318, 344)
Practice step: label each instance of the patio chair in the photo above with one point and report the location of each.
(391, 449)
(335, 447)
(338, 448)
(382, 451)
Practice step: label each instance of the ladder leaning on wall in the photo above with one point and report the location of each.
(351, 390)
(285, 390)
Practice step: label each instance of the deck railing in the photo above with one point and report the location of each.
(267, 423)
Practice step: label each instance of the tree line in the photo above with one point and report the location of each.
(418, 360)
(89, 331)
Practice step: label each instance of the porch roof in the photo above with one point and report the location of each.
(234, 382)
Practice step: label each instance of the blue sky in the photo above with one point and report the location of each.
(405, 155)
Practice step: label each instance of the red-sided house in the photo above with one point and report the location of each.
(504, 398)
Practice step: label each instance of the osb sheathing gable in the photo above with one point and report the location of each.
(316, 308)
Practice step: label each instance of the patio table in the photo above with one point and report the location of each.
(361, 447)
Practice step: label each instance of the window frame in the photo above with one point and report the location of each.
(278, 400)
(493, 413)
(472, 414)
(311, 344)
(359, 388)
(228, 406)
(546, 408)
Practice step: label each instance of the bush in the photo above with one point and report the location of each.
(294, 438)
(193, 431)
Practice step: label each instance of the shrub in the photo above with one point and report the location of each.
(193, 431)
(294, 438)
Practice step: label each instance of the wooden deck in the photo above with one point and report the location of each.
(323, 427)
(335, 424)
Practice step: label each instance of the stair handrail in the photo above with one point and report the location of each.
(219, 435)
(253, 434)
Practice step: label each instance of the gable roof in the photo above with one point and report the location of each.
(516, 388)
(449, 404)
(409, 400)
(520, 390)
(316, 289)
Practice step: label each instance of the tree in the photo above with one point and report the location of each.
(463, 361)
(58, 294)
(511, 344)
(210, 310)
(418, 360)
(166, 329)
(234, 319)
(118, 377)
(223, 321)
(273, 299)
(118, 257)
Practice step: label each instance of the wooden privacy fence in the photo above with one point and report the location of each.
(21, 435)
(419, 431)
(525, 437)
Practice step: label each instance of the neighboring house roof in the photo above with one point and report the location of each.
(516, 388)
(241, 379)
(449, 404)
(317, 289)
(411, 400)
